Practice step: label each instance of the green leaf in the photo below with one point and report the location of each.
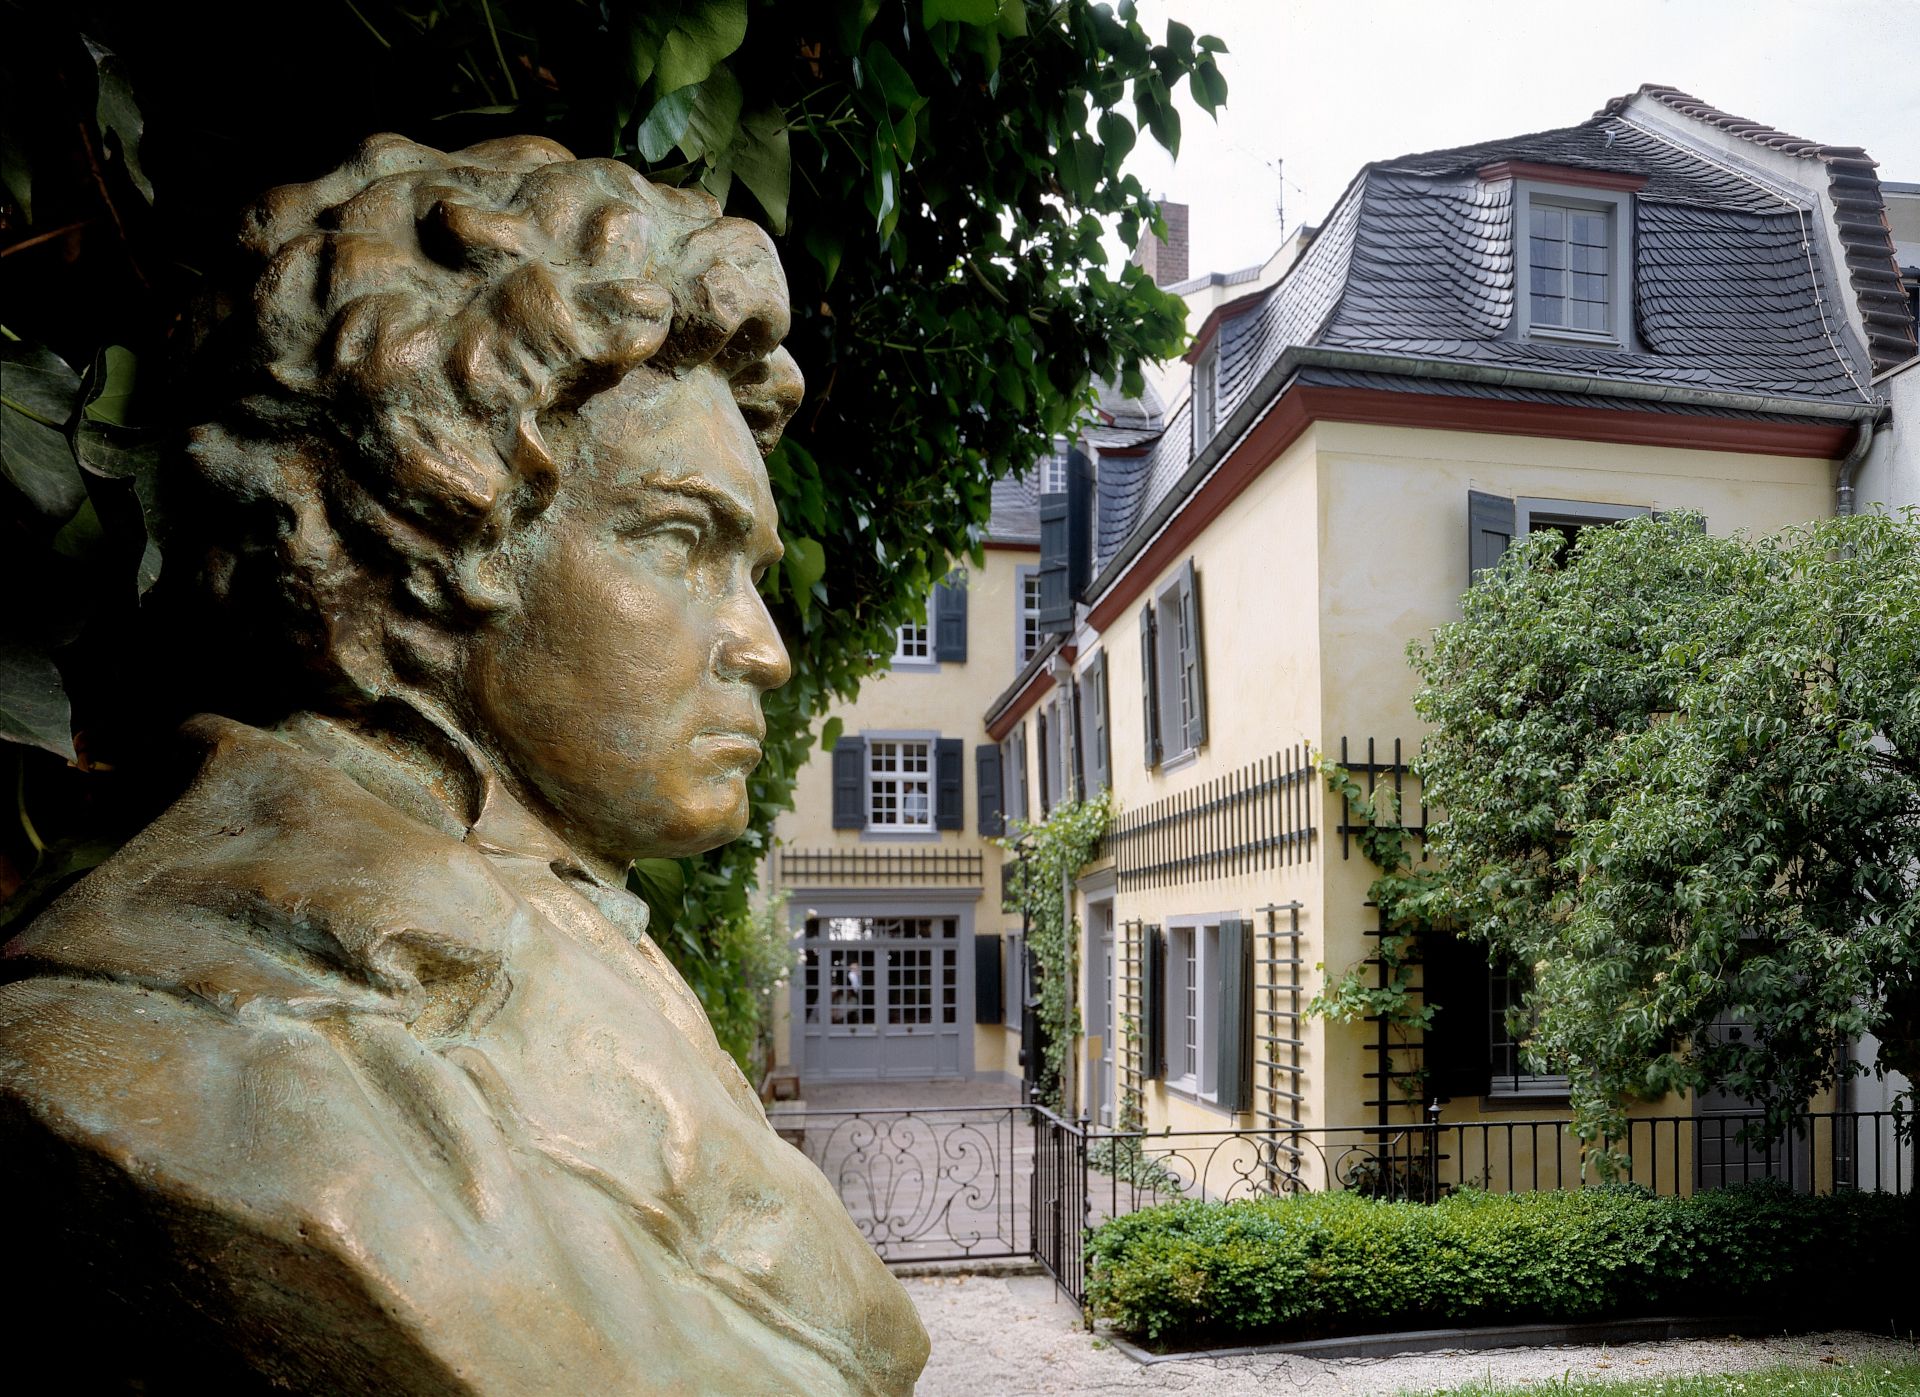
(666, 124)
(763, 160)
(805, 562)
(1117, 136)
(714, 119)
(118, 114)
(830, 732)
(1209, 86)
(81, 536)
(896, 84)
(112, 381)
(705, 33)
(38, 382)
(37, 461)
(17, 175)
(33, 702)
(979, 12)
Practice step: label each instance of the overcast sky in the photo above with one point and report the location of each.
(1327, 85)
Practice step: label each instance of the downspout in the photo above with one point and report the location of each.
(1866, 443)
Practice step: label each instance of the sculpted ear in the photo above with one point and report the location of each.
(769, 392)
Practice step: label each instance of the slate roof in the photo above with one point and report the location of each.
(1417, 261)
(1859, 216)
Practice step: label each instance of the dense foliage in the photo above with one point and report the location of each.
(1047, 856)
(938, 174)
(1680, 784)
(1192, 1273)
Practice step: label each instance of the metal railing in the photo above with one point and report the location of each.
(978, 1183)
(927, 1185)
(1260, 816)
(860, 867)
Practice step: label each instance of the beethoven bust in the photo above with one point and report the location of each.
(356, 1071)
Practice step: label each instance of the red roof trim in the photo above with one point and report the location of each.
(1301, 407)
(1001, 545)
(1218, 316)
(1564, 174)
(1035, 689)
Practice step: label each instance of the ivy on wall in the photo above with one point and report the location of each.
(1047, 857)
(939, 176)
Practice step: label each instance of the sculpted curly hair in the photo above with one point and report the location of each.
(413, 316)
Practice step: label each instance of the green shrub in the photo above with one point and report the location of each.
(1272, 1269)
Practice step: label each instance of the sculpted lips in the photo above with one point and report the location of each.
(730, 745)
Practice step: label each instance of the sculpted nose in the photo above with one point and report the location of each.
(749, 648)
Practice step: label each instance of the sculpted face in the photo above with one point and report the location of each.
(622, 699)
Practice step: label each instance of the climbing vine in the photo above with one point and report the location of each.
(1382, 985)
(1048, 857)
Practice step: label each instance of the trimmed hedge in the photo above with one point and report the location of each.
(1269, 1270)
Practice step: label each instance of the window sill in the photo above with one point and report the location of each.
(1187, 1091)
(1179, 761)
(1552, 335)
(900, 666)
(1523, 1100)
(900, 836)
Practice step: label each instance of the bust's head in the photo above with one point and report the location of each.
(493, 452)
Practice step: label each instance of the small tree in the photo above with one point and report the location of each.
(1679, 779)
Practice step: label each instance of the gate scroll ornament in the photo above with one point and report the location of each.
(356, 1070)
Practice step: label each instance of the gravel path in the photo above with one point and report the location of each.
(1012, 1337)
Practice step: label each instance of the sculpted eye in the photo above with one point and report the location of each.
(668, 542)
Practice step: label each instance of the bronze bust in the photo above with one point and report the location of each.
(356, 1070)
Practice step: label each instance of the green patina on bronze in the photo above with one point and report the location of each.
(357, 1070)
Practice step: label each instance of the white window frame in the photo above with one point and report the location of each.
(913, 642)
(1202, 933)
(1204, 396)
(1013, 980)
(1027, 635)
(886, 768)
(1618, 208)
(1173, 676)
(1053, 468)
(1530, 513)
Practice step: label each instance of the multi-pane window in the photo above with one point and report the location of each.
(1206, 399)
(914, 641)
(899, 785)
(1511, 1073)
(1570, 267)
(1053, 469)
(1029, 615)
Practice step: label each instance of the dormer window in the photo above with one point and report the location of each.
(1206, 398)
(1570, 267)
(1571, 256)
(1573, 252)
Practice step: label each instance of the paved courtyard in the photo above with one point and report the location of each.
(1015, 1336)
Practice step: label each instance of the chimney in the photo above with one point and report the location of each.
(1165, 262)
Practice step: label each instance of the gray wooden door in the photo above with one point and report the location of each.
(881, 998)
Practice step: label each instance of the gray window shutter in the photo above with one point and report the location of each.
(1458, 1050)
(1153, 995)
(1079, 525)
(1489, 531)
(1233, 1079)
(1149, 695)
(987, 789)
(1056, 597)
(1194, 654)
(1020, 761)
(850, 783)
(987, 979)
(949, 793)
(1040, 737)
(950, 622)
(1097, 741)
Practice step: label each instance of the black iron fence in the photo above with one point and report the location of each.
(1260, 816)
(970, 1184)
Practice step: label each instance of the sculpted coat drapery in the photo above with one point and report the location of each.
(357, 1070)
